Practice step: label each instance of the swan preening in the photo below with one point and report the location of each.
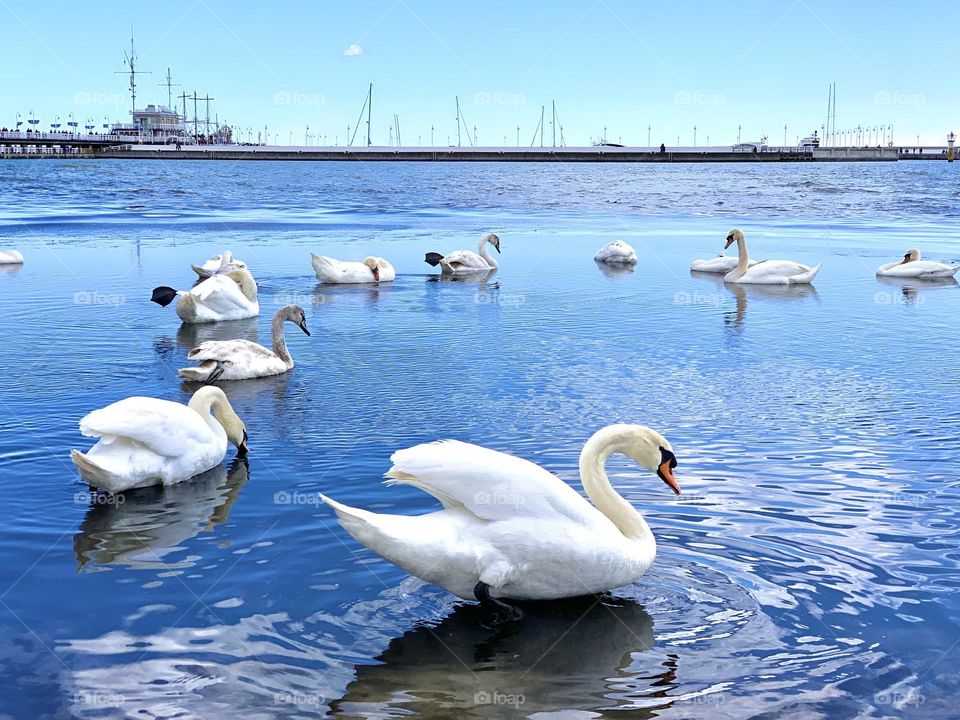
(224, 262)
(913, 267)
(719, 264)
(224, 296)
(766, 272)
(242, 359)
(145, 441)
(510, 529)
(369, 270)
(11, 257)
(616, 253)
(467, 261)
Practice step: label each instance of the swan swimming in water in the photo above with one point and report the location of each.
(616, 253)
(467, 261)
(913, 267)
(227, 296)
(242, 359)
(510, 529)
(11, 257)
(369, 270)
(145, 441)
(224, 262)
(766, 272)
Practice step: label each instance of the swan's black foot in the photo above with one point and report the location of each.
(502, 612)
(215, 374)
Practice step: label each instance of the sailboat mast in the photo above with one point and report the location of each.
(369, 111)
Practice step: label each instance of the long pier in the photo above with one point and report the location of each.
(15, 145)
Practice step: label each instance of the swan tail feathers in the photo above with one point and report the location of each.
(806, 277)
(433, 259)
(204, 372)
(91, 472)
(163, 295)
(361, 524)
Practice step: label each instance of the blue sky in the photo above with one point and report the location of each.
(614, 63)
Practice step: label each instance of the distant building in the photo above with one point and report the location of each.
(155, 124)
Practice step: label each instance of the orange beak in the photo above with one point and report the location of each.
(376, 274)
(666, 473)
(729, 243)
(906, 259)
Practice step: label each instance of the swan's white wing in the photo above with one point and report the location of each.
(618, 251)
(220, 294)
(490, 484)
(237, 351)
(918, 269)
(774, 271)
(167, 428)
(465, 260)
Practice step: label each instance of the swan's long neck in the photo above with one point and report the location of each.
(593, 475)
(484, 251)
(202, 403)
(279, 341)
(743, 257)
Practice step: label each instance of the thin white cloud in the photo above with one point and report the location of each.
(353, 50)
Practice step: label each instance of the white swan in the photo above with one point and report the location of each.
(369, 270)
(145, 441)
(11, 257)
(913, 267)
(509, 528)
(242, 359)
(467, 261)
(616, 253)
(766, 272)
(224, 262)
(719, 264)
(228, 296)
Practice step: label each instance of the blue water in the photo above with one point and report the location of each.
(809, 570)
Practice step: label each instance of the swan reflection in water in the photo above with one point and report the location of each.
(140, 527)
(615, 271)
(911, 290)
(743, 294)
(189, 335)
(584, 654)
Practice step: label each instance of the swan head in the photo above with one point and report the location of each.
(644, 445)
(376, 264)
(493, 239)
(910, 256)
(296, 315)
(735, 235)
(213, 398)
(651, 450)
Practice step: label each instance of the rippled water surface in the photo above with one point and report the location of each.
(809, 570)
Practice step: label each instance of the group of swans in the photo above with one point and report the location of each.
(745, 270)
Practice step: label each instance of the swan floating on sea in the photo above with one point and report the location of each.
(719, 264)
(510, 529)
(616, 253)
(224, 262)
(227, 296)
(467, 261)
(242, 359)
(11, 257)
(368, 270)
(145, 441)
(766, 272)
(913, 267)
